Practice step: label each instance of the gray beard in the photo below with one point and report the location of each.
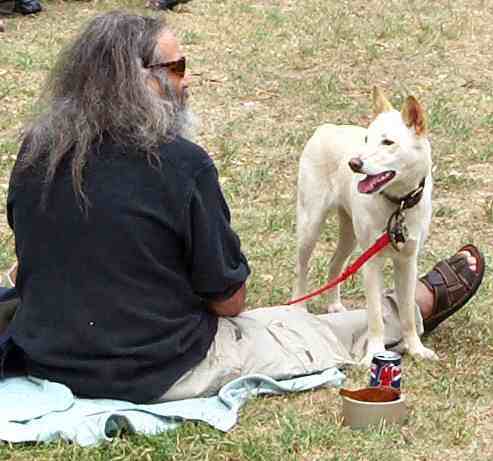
(187, 122)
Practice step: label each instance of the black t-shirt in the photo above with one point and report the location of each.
(114, 300)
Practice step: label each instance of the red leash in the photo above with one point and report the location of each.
(381, 243)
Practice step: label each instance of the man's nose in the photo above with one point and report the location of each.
(356, 164)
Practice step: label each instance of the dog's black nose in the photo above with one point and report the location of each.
(356, 164)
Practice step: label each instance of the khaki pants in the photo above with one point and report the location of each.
(283, 342)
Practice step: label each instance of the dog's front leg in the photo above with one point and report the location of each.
(373, 281)
(405, 273)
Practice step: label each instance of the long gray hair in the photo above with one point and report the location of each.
(99, 86)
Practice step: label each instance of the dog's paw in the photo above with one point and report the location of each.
(365, 362)
(335, 307)
(424, 353)
(415, 347)
(374, 347)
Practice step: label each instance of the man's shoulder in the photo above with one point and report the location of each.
(186, 156)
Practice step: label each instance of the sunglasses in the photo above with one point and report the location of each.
(176, 67)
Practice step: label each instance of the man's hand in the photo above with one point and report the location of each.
(230, 307)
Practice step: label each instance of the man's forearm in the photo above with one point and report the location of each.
(231, 307)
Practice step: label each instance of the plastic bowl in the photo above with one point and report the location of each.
(358, 414)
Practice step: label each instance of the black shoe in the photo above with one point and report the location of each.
(27, 7)
(167, 4)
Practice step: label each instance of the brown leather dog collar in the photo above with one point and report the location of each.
(409, 200)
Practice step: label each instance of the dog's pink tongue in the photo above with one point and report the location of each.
(367, 185)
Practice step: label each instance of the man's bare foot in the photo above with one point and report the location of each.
(2, 26)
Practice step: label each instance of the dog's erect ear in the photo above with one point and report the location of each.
(414, 115)
(380, 102)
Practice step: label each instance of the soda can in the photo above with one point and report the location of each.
(386, 369)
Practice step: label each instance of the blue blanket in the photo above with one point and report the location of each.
(43, 411)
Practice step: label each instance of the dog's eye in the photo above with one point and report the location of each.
(366, 139)
(387, 142)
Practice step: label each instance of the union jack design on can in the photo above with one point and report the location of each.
(386, 369)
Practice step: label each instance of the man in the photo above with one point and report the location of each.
(132, 282)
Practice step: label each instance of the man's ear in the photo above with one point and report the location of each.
(380, 102)
(414, 115)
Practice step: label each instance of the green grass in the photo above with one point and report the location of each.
(265, 74)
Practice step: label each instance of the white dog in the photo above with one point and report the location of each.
(394, 156)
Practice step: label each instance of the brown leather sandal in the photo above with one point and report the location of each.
(453, 284)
